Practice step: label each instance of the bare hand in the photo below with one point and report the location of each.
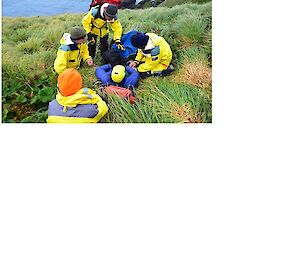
(90, 62)
(132, 64)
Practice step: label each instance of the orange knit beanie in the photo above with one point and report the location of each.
(69, 82)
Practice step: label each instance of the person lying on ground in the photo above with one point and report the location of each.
(73, 51)
(118, 75)
(73, 103)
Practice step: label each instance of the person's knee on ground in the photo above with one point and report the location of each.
(168, 71)
(145, 74)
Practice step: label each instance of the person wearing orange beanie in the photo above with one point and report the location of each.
(69, 82)
(74, 103)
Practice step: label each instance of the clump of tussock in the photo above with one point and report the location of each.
(51, 38)
(192, 28)
(195, 73)
(192, 53)
(30, 46)
(20, 35)
(171, 3)
(186, 114)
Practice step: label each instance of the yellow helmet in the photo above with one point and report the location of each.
(118, 73)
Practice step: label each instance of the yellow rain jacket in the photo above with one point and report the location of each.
(85, 106)
(160, 57)
(69, 54)
(96, 24)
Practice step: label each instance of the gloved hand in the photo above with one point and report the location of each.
(90, 38)
(119, 45)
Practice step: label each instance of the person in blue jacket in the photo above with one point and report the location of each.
(118, 75)
(129, 51)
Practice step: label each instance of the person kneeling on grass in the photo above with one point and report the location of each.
(118, 75)
(74, 104)
(73, 50)
(154, 55)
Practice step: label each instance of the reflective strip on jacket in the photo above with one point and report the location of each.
(83, 107)
(160, 57)
(95, 25)
(103, 73)
(69, 54)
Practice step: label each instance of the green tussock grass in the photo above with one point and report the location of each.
(162, 101)
(171, 3)
(29, 47)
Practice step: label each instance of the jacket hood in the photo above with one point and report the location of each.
(149, 45)
(66, 39)
(102, 9)
(82, 96)
(153, 39)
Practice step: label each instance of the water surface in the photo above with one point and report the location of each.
(43, 7)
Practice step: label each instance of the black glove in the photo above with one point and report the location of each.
(119, 45)
(90, 38)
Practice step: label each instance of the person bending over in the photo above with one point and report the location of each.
(73, 51)
(96, 23)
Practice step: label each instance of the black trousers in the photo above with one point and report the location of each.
(93, 45)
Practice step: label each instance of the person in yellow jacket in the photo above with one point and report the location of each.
(96, 23)
(154, 55)
(74, 104)
(73, 51)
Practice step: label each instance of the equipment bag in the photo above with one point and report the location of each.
(124, 93)
(101, 2)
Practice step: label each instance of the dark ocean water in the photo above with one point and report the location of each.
(43, 7)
